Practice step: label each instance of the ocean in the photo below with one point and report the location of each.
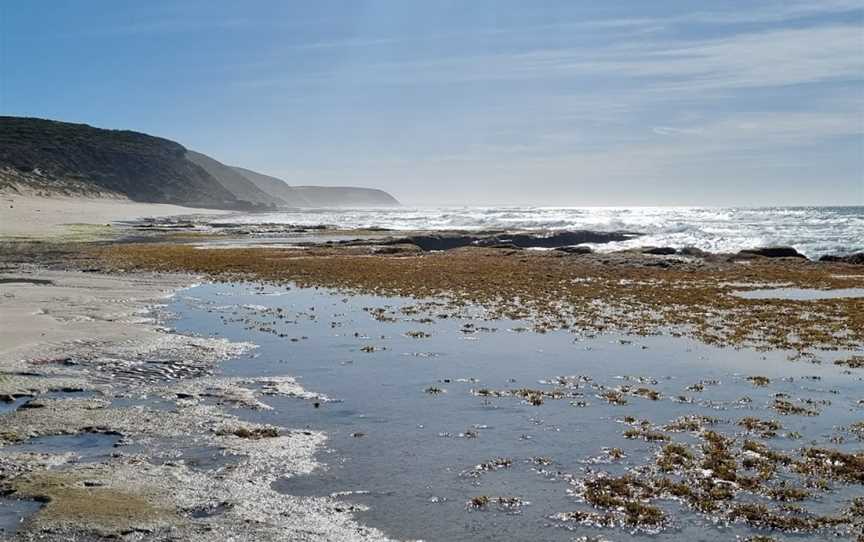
(813, 231)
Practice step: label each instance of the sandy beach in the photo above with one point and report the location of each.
(34, 218)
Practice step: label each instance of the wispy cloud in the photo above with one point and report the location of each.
(768, 58)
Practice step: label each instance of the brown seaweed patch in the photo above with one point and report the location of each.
(855, 362)
(645, 434)
(496, 463)
(759, 380)
(674, 456)
(832, 464)
(786, 407)
(690, 424)
(763, 517)
(613, 397)
(251, 433)
(626, 497)
(70, 498)
(508, 504)
(590, 294)
(764, 428)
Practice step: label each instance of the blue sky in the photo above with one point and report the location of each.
(475, 102)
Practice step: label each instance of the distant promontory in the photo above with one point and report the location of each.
(46, 157)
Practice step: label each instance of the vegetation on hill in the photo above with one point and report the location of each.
(50, 157)
(272, 185)
(141, 167)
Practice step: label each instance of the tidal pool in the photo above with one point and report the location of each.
(13, 512)
(85, 446)
(431, 414)
(12, 406)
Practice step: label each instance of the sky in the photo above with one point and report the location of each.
(480, 102)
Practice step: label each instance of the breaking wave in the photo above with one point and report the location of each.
(813, 231)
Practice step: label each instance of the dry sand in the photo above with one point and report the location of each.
(32, 217)
(37, 319)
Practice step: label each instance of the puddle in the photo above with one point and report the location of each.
(12, 406)
(13, 512)
(87, 446)
(70, 394)
(801, 294)
(411, 428)
(199, 458)
(213, 511)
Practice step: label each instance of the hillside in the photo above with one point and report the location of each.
(59, 158)
(345, 196)
(76, 158)
(272, 185)
(233, 181)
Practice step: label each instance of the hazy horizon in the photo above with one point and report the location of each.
(551, 104)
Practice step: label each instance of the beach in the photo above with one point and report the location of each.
(31, 217)
(339, 386)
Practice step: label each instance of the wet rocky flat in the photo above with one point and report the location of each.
(447, 426)
(115, 427)
(356, 393)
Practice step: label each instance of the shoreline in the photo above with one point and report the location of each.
(70, 342)
(81, 323)
(34, 218)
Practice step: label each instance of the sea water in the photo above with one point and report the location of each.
(813, 231)
(408, 454)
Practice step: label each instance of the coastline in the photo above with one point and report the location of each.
(79, 335)
(71, 345)
(78, 332)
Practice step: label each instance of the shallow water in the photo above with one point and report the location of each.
(409, 454)
(86, 446)
(801, 294)
(12, 406)
(13, 512)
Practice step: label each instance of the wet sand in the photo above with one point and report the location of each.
(90, 354)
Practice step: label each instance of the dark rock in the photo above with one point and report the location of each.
(854, 259)
(658, 263)
(658, 251)
(396, 249)
(772, 252)
(694, 252)
(438, 242)
(559, 239)
(515, 240)
(507, 246)
(575, 250)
